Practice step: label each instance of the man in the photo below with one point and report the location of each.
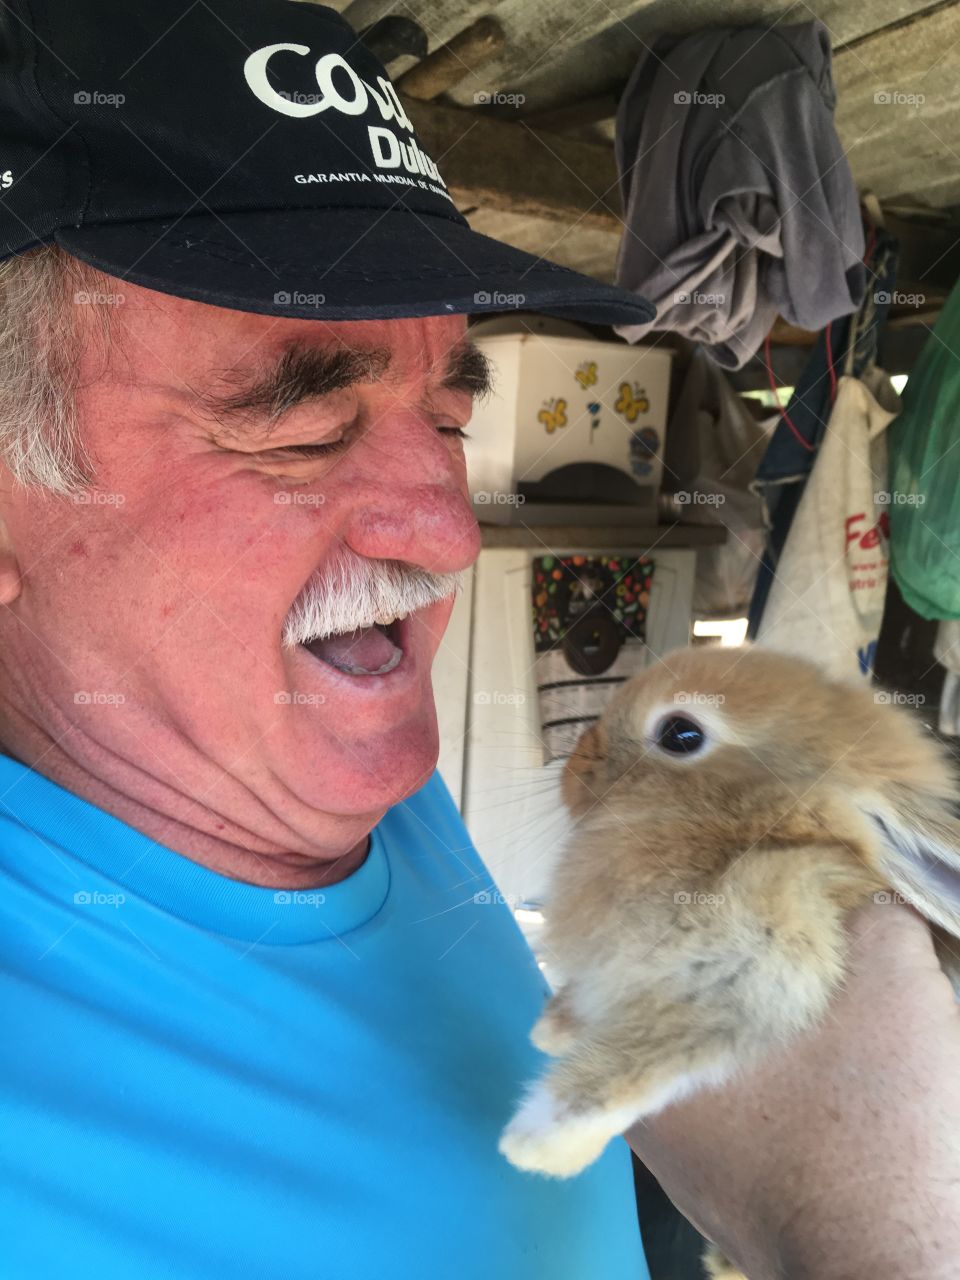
(242, 1034)
(258, 1018)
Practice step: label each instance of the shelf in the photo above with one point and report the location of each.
(601, 536)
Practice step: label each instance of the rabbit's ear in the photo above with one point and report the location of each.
(919, 853)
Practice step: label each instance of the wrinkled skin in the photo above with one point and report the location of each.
(169, 586)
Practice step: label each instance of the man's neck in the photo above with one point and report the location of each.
(264, 850)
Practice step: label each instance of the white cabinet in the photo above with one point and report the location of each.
(561, 401)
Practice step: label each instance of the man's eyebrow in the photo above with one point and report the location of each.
(303, 373)
(469, 370)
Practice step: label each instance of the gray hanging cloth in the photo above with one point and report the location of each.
(738, 200)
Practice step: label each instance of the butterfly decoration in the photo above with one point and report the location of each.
(593, 408)
(553, 415)
(632, 401)
(586, 375)
(644, 445)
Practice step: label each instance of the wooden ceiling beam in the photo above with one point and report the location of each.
(504, 164)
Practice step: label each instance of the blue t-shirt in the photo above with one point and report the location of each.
(201, 1078)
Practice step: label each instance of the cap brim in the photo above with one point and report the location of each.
(347, 264)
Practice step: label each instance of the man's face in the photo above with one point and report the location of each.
(214, 505)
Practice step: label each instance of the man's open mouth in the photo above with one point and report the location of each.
(366, 651)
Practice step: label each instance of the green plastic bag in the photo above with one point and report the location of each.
(924, 497)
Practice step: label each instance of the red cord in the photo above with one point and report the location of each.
(776, 395)
(830, 366)
(832, 370)
(870, 243)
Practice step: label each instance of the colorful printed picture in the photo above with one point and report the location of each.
(564, 588)
(586, 375)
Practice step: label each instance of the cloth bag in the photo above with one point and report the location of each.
(827, 599)
(850, 344)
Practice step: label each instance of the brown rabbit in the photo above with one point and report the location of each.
(731, 806)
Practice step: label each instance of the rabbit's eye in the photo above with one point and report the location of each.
(679, 735)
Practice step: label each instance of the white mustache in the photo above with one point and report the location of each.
(354, 593)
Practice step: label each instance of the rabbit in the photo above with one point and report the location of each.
(731, 807)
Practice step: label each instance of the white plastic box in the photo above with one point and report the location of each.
(559, 401)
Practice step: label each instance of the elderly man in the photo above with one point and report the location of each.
(254, 1020)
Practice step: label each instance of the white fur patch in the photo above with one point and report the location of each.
(547, 1137)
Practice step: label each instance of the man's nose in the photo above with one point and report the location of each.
(411, 504)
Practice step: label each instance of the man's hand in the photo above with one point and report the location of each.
(839, 1159)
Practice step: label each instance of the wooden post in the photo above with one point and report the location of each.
(447, 66)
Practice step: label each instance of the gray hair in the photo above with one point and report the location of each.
(354, 592)
(42, 337)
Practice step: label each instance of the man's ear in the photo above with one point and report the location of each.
(9, 566)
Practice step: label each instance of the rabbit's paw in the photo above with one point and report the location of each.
(553, 1034)
(547, 1137)
(717, 1267)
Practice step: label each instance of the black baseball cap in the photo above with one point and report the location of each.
(250, 154)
